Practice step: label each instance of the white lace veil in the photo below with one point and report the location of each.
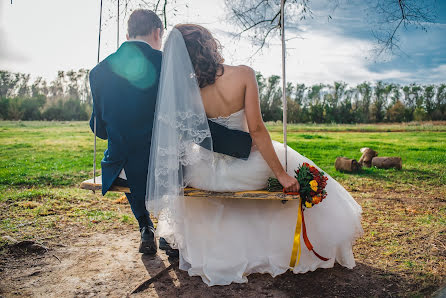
(180, 133)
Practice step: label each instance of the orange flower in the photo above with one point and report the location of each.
(316, 199)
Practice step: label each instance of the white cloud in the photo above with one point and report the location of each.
(428, 76)
(51, 35)
(320, 57)
(7, 52)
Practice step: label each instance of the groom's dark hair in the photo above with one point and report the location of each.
(142, 22)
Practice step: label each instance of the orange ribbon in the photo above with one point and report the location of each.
(295, 253)
(307, 241)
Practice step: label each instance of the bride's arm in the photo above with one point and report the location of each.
(260, 134)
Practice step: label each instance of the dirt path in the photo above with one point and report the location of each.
(401, 253)
(105, 264)
(109, 265)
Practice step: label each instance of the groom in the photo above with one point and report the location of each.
(124, 87)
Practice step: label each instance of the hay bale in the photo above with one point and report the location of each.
(344, 164)
(387, 162)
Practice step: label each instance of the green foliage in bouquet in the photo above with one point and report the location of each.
(304, 177)
(274, 185)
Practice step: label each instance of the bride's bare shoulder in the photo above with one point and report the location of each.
(240, 72)
(244, 69)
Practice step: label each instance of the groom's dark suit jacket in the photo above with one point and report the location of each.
(124, 87)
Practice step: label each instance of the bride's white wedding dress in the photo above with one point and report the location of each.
(225, 240)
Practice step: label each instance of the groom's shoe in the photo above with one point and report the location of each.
(147, 244)
(164, 245)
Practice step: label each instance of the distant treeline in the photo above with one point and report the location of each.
(68, 98)
(341, 103)
(65, 98)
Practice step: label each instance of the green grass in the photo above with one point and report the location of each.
(46, 153)
(61, 153)
(423, 154)
(382, 127)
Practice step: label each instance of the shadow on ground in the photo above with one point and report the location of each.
(362, 281)
(108, 264)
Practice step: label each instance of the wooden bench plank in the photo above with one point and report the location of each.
(90, 185)
(198, 193)
(247, 195)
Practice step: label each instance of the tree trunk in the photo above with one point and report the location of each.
(345, 164)
(387, 162)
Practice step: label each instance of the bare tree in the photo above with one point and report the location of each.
(8, 83)
(261, 18)
(393, 15)
(163, 8)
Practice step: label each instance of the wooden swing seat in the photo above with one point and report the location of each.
(198, 193)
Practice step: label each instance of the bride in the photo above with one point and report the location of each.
(225, 240)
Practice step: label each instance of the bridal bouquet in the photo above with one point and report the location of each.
(312, 185)
(312, 191)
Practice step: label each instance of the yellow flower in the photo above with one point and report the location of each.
(313, 184)
(308, 205)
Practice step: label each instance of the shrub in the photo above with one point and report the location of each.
(396, 112)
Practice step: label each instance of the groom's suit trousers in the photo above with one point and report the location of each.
(137, 203)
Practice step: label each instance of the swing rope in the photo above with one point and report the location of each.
(94, 121)
(282, 29)
(117, 29)
(98, 60)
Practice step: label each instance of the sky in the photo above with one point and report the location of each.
(42, 37)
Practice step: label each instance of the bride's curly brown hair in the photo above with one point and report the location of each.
(204, 51)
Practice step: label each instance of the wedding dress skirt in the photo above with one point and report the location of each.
(225, 240)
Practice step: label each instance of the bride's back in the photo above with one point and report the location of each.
(222, 86)
(227, 95)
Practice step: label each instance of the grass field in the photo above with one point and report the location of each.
(61, 153)
(42, 164)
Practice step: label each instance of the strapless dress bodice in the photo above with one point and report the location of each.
(236, 121)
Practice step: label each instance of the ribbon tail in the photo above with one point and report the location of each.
(307, 241)
(319, 256)
(295, 253)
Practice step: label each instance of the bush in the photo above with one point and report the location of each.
(419, 114)
(53, 112)
(4, 108)
(396, 112)
(69, 110)
(14, 109)
(438, 115)
(32, 107)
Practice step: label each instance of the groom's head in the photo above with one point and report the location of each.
(145, 25)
